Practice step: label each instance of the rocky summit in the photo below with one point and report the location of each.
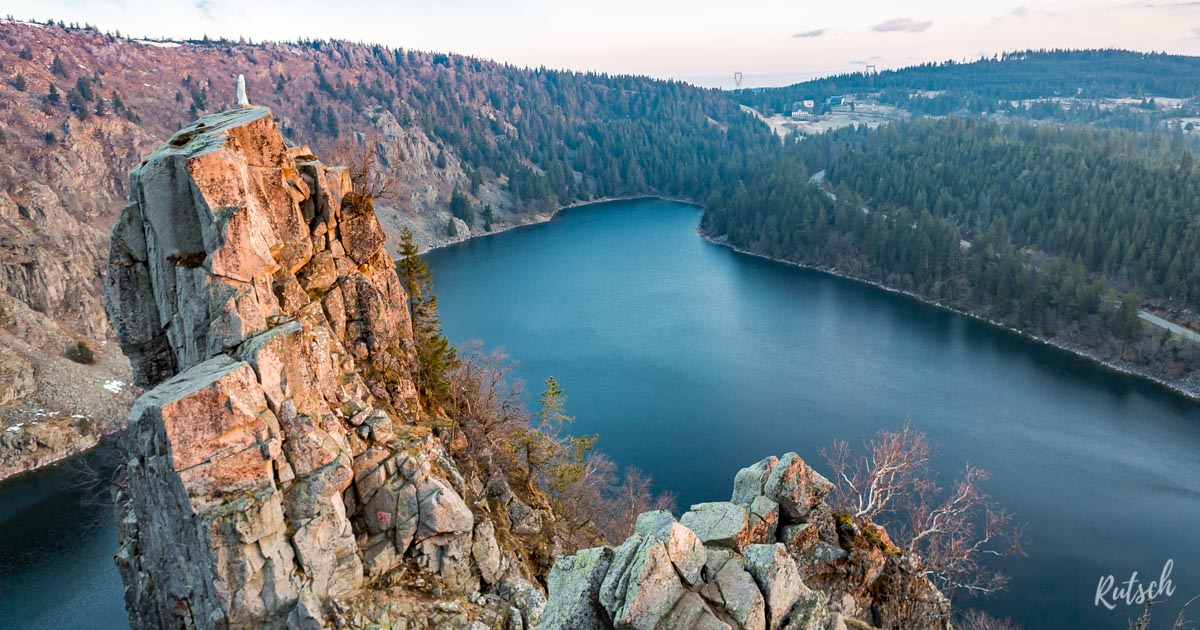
(272, 463)
(774, 556)
(276, 474)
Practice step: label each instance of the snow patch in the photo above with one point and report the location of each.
(150, 42)
(114, 386)
(22, 22)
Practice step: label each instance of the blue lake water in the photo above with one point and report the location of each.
(692, 361)
(57, 540)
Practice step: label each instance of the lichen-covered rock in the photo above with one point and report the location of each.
(524, 519)
(612, 589)
(719, 524)
(576, 581)
(777, 577)
(693, 613)
(749, 481)
(653, 522)
(756, 562)
(764, 520)
(740, 596)
(650, 591)
(686, 552)
(799, 537)
(486, 552)
(796, 487)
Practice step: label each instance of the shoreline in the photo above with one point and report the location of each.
(54, 457)
(18, 474)
(1174, 387)
(539, 219)
(1190, 393)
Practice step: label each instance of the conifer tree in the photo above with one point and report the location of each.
(436, 358)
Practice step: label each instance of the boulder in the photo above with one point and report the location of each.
(693, 613)
(797, 488)
(719, 524)
(653, 522)
(778, 579)
(740, 597)
(574, 591)
(523, 519)
(442, 511)
(686, 552)
(764, 520)
(799, 537)
(486, 553)
(749, 481)
(650, 591)
(612, 589)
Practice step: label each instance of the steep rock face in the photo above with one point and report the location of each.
(64, 180)
(772, 557)
(273, 465)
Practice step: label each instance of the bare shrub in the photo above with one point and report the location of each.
(372, 174)
(562, 471)
(944, 533)
(1181, 621)
(979, 620)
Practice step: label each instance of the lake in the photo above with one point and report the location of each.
(57, 540)
(691, 361)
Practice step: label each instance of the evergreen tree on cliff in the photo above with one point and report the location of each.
(437, 358)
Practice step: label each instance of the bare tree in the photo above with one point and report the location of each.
(484, 401)
(1181, 621)
(373, 175)
(979, 620)
(866, 486)
(944, 534)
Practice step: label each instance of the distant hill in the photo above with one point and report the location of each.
(481, 146)
(1089, 74)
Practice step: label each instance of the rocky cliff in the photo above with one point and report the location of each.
(279, 472)
(63, 181)
(273, 464)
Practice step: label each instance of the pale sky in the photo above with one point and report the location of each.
(771, 42)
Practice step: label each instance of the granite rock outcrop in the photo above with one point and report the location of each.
(273, 464)
(774, 556)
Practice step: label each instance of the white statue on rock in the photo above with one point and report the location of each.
(241, 92)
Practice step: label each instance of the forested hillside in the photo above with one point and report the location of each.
(480, 146)
(477, 146)
(1060, 232)
(1008, 83)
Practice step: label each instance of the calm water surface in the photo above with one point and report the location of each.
(57, 542)
(692, 361)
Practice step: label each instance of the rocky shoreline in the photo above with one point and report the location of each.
(1178, 387)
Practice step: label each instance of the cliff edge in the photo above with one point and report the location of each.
(273, 464)
(278, 474)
